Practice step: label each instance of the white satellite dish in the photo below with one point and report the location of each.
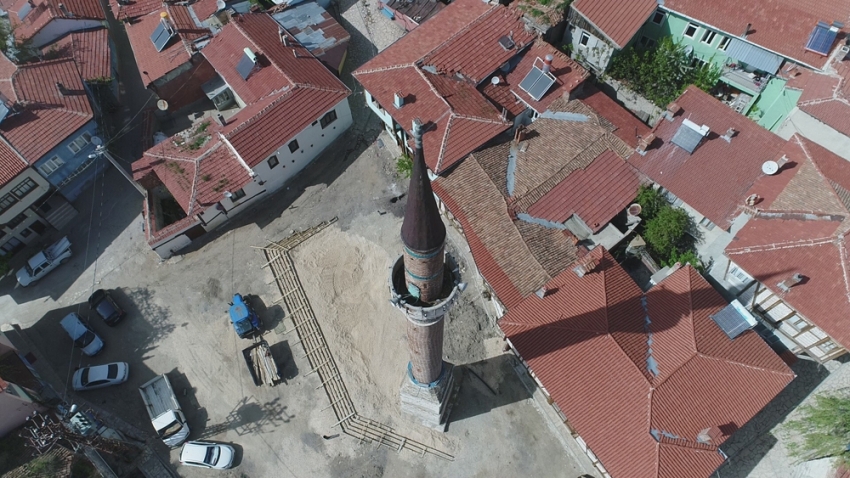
(95, 140)
(770, 168)
(162, 105)
(494, 80)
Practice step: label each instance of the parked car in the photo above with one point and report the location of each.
(207, 455)
(99, 376)
(102, 303)
(45, 261)
(83, 336)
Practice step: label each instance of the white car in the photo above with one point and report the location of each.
(98, 376)
(207, 455)
(45, 261)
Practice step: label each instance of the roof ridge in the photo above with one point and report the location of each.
(13, 149)
(287, 91)
(310, 86)
(842, 253)
(781, 245)
(432, 87)
(384, 68)
(444, 143)
(479, 119)
(463, 30)
(745, 365)
(823, 176)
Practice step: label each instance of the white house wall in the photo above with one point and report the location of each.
(59, 27)
(23, 204)
(597, 52)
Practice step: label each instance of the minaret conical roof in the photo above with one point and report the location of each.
(422, 229)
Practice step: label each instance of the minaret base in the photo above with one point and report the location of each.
(430, 404)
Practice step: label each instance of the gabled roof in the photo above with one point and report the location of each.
(284, 95)
(89, 49)
(134, 9)
(826, 96)
(619, 21)
(155, 64)
(7, 71)
(47, 116)
(715, 179)
(44, 11)
(11, 163)
(589, 340)
(205, 8)
(452, 60)
(802, 227)
(782, 26)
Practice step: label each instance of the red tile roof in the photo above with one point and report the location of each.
(826, 96)
(461, 47)
(715, 179)
(89, 49)
(11, 163)
(48, 117)
(804, 229)
(618, 20)
(596, 328)
(782, 26)
(44, 11)
(627, 126)
(134, 8)
(153, 64)
(205, 8)
(568, 74)
(595, 194)
(7, 71)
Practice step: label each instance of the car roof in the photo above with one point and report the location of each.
(72, 323)
(194, 451)
(100, 372)
(36, 260)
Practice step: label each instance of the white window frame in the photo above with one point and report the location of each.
(51, 165)
(79, 143)
(724, 43)
(685, 31)
(710, 34)
(584, 36)
(655, 15)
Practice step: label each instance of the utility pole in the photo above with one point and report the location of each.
(102, 151)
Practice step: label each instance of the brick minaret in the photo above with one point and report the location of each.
(425, 285)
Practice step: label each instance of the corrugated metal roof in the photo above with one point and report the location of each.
(754, 56)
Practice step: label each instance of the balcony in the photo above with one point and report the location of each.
(749, 82)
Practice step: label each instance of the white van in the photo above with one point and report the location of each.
(81, 334)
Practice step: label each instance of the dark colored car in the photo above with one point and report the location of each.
(104, 305)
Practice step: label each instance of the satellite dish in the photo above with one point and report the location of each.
(220, 5)
(95, 140)
(770, 168)
(494, 80)
(162, 105)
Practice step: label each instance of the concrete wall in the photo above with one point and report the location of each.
(384, 115)
(811, 128)
(597, 52)
(15, 407)
(74, 162)
(59, 27)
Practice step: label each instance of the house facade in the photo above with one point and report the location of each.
(20, 195)
(226, 163)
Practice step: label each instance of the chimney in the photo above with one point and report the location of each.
(62, 90)
(65, 11)
(790, 282)
(782, 161)
(671, 111)
(547, 63)
(220, 119)
(398, 100)
(545, 291)
(585, 267)
(730, 133)
(747, 30)
(519, 134)
(644, 142)
(283, 38)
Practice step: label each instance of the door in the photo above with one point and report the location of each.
(38, 227)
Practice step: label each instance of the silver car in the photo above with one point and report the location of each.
(207, 455)
(98, 376)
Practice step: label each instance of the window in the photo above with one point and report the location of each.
(646, 42)
(78, 144)
(706, 224)
(51, 165)
(724, 42)
(17, 220)
(708, 37)
(584, 39)
(329, 118)
(697, 62)
(238, 195)
(26, 233)
(273, 162)
(7, 201)
(293, 145)
(658, 17)
(691, 30)
(24, 188)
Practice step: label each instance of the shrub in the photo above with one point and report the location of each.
(823, 429)
(651, 201)
(404, 165)
(665, 231)
(685, 257)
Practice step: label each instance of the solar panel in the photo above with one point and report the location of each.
(245, 67)
(821, 39)
(536, 83)
(731, 322)
(687, 138)
(161, 36)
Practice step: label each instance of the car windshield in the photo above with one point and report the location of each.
(85, 339)
(112, 370)
(84, 377)
(171, 429)
(212, 456)
(28, 268)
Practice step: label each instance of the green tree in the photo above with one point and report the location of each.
(651, 201)
(685, 257)
(662, 72)
(404, 165)
(824, 429)
(665, 231)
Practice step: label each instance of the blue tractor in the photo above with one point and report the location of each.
(246, 322)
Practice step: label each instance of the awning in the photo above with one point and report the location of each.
(754, 56)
